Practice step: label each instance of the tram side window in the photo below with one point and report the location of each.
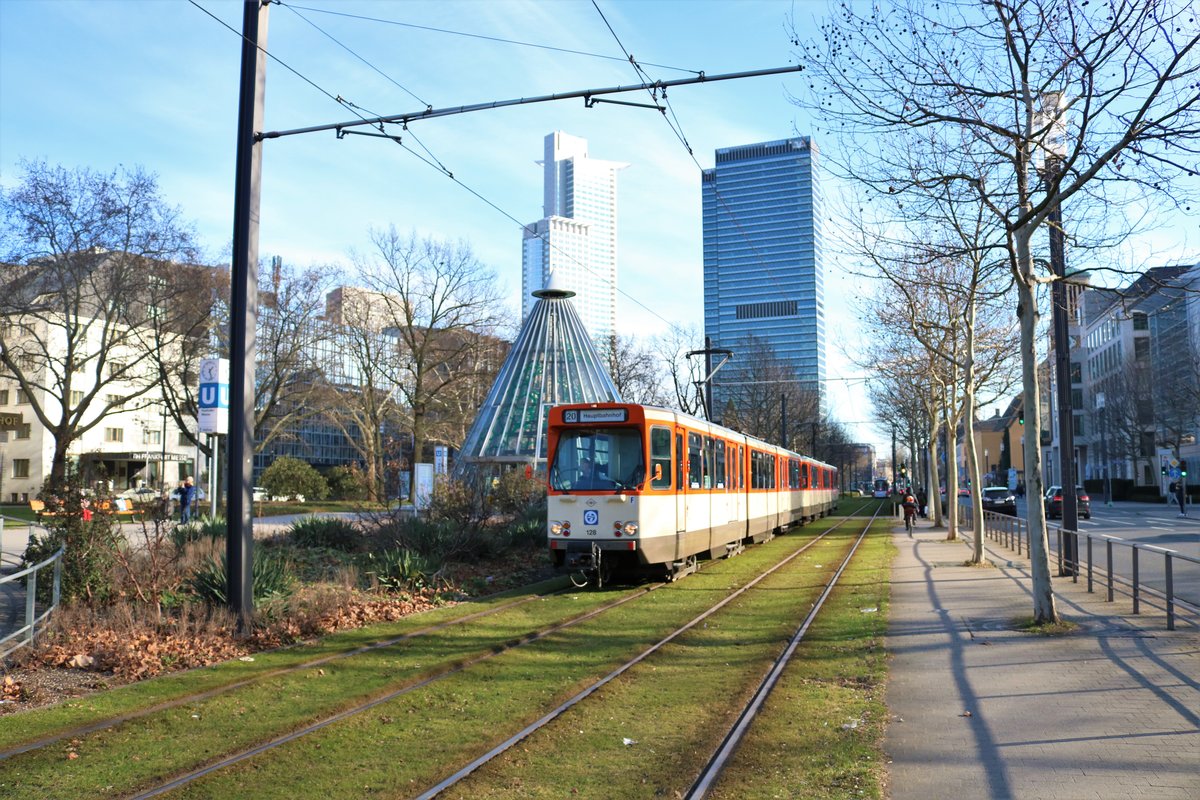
(793, 474)
(709, 467)
(660, 456)
(695, 461)
(720, 461)
(772, 473)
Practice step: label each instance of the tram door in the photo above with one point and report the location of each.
(737, 483)
(680, 493)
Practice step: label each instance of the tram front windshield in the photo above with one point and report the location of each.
(597, 460)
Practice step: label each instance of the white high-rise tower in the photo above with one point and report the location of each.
(577, 238)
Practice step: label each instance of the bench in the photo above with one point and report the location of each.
(119, 507)
(38, 507)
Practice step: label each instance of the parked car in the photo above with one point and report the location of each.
(1053, 503)
(142, 494)
(261, 495)
(1000, 499)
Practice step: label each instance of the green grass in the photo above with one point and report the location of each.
(676, 707)
(410, 742)
(820, 733)
(40, 723)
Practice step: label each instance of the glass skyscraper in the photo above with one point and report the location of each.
(763, 263)
(577, 238)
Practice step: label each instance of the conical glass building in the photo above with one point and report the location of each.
(551, 362)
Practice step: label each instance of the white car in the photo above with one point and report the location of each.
(261, 495)
(142, 494)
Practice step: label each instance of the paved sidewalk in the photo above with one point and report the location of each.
(980, 710)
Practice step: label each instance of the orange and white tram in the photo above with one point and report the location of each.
(635, 488)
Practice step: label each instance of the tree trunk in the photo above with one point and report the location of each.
(934, 494)
(976, 498)
(1044, 610)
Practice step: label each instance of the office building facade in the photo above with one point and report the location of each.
(763, 262)
(577, 238)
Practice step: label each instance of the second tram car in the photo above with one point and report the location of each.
(635, 488)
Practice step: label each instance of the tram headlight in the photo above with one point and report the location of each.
(560, 528)
(631, 528)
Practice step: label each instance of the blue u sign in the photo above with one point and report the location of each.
(214, 395)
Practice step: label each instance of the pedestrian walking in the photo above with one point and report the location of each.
(187, 496)
(1180, 497)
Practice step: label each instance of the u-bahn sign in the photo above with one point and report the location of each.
(214, 395)
(11, 422)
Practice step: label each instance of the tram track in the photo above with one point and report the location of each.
(434, 674)
(729, 744)
(198, 697)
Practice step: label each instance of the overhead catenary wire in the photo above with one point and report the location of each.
(378, 123)
(677, 129)
(484, 37)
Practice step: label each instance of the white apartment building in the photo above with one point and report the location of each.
(577, 237)
(133, 444)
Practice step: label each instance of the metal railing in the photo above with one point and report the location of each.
(1013, 533)
(35, 614)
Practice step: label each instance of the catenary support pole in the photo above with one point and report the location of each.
(239, 545)
(1062, 377)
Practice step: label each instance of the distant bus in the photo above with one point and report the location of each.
(881, 487)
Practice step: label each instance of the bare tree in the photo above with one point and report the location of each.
(636, 370)
(686, 375)
(764, 394)
(444, 307)
(93, 260)
(999, 85)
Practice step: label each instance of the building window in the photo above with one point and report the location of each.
(3, 397)
(184, 441)
(1077, 399)
(22, 397)
(774, 308)
(20, 468)
(151, 437)
(24, 431)
(1140, 322)
(1076, 372)
(114, 434)
(1077, 424)
(1141, 348)
(76, 398)
(115, 401)
(115, 368)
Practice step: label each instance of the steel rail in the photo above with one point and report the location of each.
(738, 732)
(550, 716)
(456, 668)
(111, 722)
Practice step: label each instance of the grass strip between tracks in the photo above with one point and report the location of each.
(820, 733)
(407, 744)
(649, 733)
(19, 729)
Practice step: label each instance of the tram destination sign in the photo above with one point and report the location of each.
(11, 422)
(594, 415)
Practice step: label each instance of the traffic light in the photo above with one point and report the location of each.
(1021, 419)
(1183, 467)
(1164, 469)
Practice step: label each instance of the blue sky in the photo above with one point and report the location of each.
(154, 83)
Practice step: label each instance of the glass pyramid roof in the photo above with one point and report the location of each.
(551, 362)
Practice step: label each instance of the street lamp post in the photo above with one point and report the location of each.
(1055, 150)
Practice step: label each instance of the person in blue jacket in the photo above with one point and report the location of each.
(187, 496)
